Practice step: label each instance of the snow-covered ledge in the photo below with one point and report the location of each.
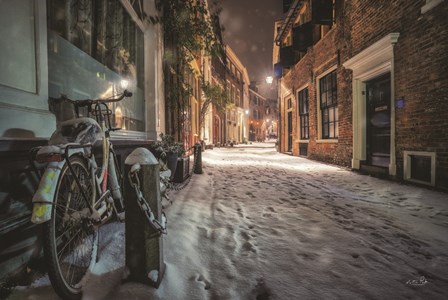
(430, 4)
(128, 135)
(372, 62)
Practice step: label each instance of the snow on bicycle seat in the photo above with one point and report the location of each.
(80, 131)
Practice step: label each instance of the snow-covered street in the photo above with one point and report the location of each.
(262, 225)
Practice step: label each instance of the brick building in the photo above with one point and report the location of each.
(237, 85)
(257, 120)
(363, 84)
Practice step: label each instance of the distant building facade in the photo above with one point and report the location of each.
(237, 85)
(362, 84)
(271, 114)
(218, 73)
(257, 120)
(263, 111)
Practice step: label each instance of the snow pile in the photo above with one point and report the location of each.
(262, 225)
(79, 130)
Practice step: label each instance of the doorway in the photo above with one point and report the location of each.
(378, 121)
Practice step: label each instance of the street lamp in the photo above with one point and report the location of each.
(269, 79)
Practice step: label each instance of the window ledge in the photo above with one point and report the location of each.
(327, 141)
(430, 4)
(303, 141)
(128, 134)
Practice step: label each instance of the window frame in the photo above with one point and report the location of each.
(304, 114)
(130, 49)
(333, 105)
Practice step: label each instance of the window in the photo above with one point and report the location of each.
(329, 106)
(323, 13)
(238, 98)
(289, 103)
(304, 114)
(14, 74)
(420, 167)
(92, 47)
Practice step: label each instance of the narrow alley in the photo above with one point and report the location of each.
(262, 225)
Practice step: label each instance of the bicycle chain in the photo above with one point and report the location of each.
(153, 222)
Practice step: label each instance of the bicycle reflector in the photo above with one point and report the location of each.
(49, 157)
(48, 154)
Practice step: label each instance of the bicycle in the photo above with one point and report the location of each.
(75, 196)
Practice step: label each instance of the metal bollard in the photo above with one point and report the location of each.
(144, 247)
(197, 159)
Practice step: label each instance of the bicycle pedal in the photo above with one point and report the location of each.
(121, 216)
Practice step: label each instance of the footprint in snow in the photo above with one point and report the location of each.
(261, 290)
(207, 284)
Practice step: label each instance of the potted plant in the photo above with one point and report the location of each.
(168, 150)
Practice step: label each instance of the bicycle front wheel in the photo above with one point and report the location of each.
(70, 239)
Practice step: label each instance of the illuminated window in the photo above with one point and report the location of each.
(92, 47)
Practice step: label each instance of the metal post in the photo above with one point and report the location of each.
(197, 159)
(144, 246)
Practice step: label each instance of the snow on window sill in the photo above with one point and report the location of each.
(128, 134)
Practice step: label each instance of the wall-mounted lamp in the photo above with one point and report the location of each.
(124, 84)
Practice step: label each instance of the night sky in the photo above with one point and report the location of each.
(249, 31)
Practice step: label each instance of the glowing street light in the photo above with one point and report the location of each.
(124, 84)
(269, 79)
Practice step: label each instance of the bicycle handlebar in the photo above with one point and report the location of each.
(88, 102)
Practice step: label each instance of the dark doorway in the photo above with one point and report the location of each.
(289, 131)
(378, 121)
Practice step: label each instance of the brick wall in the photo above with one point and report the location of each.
(420, 78)
(324, 55)
(421, 72)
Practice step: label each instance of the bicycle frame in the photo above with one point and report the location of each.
(57, 156)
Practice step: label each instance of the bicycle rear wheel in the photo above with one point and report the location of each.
(70, 239)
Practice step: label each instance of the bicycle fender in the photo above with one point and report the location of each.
(44, 197)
